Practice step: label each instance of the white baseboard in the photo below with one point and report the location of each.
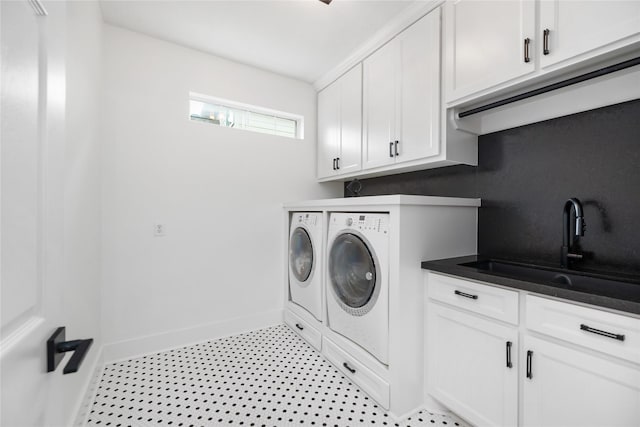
(123, 350)
(89, 390)
(433, 406)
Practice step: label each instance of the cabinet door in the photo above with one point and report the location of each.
(379, 105)
(577, 28)
(419, 113)
(485, 44)
(573, 388)
(350, 148)
(328, 129)
(467, 366)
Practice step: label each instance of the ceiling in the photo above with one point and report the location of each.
(303, 39)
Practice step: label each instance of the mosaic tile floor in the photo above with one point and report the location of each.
(268, 377)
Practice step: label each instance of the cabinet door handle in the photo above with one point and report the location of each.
(466, 295)
(396, 149)
(545, 41)
(391, 149)
(618, 337)
(527, 41)
(334, 164)
(299, 327)
(349, 368)
(337, 162)
(529, 363)
(509, 364)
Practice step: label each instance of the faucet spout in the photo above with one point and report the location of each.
(567, 236)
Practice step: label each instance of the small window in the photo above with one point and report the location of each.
(232, 114)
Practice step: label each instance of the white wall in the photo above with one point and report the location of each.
(219, 191)
(82, 190)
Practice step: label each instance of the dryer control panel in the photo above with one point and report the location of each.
(367, 222)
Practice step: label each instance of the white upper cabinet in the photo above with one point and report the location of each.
(350, 155)
(380, 85)
(492, 46)
(420, 89)
(401, 96)
(328, 129)
(572, 30)
(487, 43)
(340, 125)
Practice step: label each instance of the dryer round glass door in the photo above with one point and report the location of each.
(300, 254)
(352, 273)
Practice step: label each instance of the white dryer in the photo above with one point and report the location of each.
(358, 280)
(305, 251)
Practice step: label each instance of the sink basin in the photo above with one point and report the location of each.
(561, 278)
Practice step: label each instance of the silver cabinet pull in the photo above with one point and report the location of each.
(527, 42)
(545, 41)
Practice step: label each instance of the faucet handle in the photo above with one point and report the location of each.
(581, 226)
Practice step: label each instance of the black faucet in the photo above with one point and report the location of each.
(567, 236)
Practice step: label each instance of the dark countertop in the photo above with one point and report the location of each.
(603, 298)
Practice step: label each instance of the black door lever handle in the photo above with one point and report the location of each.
(57, 347)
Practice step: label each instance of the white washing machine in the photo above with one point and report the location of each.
(358, 280)
(305, 264)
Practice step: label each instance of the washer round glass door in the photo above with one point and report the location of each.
(300, 254)
(352, 273)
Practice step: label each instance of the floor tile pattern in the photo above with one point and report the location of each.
(268, 377)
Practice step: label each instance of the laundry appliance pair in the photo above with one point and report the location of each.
(356, 269)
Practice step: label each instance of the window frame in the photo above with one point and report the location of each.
(207, 99)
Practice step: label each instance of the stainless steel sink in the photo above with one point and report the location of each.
(597, 284)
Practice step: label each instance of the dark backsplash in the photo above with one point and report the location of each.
(524, 176)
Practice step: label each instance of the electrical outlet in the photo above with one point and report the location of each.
(158, 229)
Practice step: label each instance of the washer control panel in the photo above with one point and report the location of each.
(310, 219)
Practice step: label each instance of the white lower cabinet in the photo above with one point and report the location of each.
(472, 366)
(304, 329)
(576, 365)
(567, 387)
(365, 378)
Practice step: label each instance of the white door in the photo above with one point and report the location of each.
(567, 387)
(328, 129)
(575, 28)
(472, 366)
(486, 44)
(350, 152)
(32, 153)
(420, 92)
(380, 82)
